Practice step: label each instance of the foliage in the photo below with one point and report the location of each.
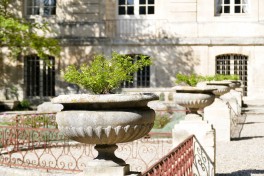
(104, 75)
(190, 80)
(219, 77)
(193, 79)
(161, 121)
(21, 36)
(24, 105)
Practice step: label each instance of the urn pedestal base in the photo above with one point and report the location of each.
(219, 115)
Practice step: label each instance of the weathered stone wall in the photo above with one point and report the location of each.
(188, 37)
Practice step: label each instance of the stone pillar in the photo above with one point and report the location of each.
(203, 131)
(219, 115)
(234, 98)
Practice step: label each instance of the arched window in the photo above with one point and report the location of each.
(228, 64)
(141, 78)
(39, 77)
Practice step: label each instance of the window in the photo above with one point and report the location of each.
(41, 7)
(233, 64)
(136, 7)
(141, 78)
(39, 77)
(146, 7)
(232, 6)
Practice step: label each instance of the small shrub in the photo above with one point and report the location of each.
(219, 77)
(24, 105)
(104, 75)
(161, 120)
(190, 80)
(193, 79)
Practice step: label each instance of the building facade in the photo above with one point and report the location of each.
(183, 36)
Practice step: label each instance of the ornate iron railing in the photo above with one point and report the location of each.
(33, 141)
(187, 159)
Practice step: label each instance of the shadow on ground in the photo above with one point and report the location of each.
(246, 138)
(243, 173)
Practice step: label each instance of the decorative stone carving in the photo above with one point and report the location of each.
(105, 120)
(194, 98)
(221, 87)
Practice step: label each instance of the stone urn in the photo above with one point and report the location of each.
(194, 98)
(221, 87)
(105, 120)
(234, 84)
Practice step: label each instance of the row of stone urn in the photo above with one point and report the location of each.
(214, 124)
(106, 120)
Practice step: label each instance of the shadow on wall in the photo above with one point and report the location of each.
(11, 76)
(170, 60)
(77, 19)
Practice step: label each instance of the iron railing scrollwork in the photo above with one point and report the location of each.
(202, 164)
(33, 141)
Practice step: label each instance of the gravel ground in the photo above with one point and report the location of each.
(244, 156)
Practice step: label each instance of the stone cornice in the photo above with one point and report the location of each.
(224, 41)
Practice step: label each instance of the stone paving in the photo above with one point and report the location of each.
(244, 156)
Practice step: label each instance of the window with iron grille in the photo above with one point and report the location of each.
(41, 7)
(141, 78)
(136, 7)
(233, 64)
(232, 6)
(39, 77)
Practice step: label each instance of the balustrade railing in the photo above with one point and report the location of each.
(136, 28)
(117, 28)
(33, 141)
(187, 159)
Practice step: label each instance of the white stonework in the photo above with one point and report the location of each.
(219, 115)
(234, 98)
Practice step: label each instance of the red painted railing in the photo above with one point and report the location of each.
(178, 162)
(187, 159)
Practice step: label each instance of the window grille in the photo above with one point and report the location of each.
(41, 7)
(232, 6)
(233, 64)
(141, 78)
(126, 7)
(39, 77)
(146, 7)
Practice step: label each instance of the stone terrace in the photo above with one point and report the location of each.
(244, 156)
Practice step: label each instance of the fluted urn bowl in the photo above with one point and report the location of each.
(105, 119)
(194, 98)
(234, 84)
(221, 87)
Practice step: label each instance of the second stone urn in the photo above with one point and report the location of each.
(221, 87)
(194, 98)
(105, 120)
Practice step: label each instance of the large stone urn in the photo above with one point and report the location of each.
(194, 98)
(105, 120)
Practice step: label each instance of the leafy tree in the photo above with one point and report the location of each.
(23, 37)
